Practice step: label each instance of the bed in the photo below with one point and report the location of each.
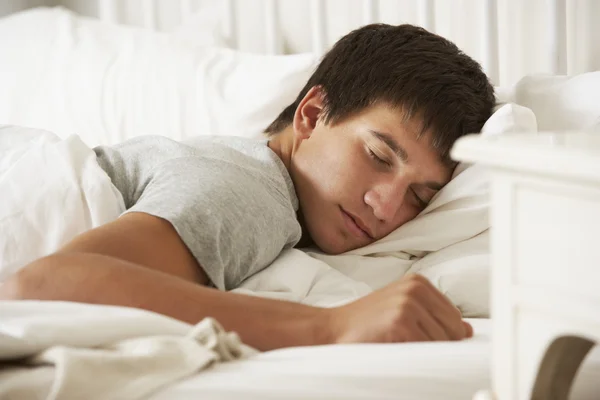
(115, 70)
(424, 371)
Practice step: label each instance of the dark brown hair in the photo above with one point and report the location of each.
(406, 67)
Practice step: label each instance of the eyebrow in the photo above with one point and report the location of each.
(402, 154)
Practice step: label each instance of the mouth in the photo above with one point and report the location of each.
(355, 226)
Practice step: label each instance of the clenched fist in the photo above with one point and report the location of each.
(408, 310)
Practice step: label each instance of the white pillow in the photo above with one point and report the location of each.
(462, 270)
(108, 83)
(561, 102)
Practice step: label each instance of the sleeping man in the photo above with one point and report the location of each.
(361, 151)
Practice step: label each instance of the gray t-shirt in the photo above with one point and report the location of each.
(230, 199)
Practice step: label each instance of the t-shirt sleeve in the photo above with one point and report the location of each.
(234, 220)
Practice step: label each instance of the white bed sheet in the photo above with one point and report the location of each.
(416, 371)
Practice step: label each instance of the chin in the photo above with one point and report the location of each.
(327, 238)
(331, 250)
(331, 246)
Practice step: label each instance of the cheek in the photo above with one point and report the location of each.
(328, 170)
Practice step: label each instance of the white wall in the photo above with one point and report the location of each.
(11, 6)
(523, 26)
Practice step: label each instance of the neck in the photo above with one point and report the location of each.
(284, 146)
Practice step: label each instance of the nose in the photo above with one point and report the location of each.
(386, 198)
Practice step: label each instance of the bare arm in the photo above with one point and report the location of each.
(140, 261)
(96, 278)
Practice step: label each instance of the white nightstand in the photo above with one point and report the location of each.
(545, 245)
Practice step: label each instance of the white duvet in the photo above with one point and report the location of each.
(72, 351)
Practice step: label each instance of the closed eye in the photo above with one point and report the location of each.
(378, 159)
(422, 203)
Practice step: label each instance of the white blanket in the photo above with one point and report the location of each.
(80, 351)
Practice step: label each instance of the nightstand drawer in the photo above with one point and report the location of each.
(555, 236)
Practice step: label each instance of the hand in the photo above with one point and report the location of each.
(408, 310)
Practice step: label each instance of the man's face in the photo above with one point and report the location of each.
(362, 178)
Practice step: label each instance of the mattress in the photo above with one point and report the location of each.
(423, 371)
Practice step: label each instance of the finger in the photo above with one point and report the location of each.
(443, 298)
(444, 301)
(468, 329)
(438, 306)
(434, 330)
(448, 318)
(418, 333)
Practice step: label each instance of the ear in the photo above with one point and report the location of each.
(308, 112)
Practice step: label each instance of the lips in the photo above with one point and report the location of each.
(355, 225)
